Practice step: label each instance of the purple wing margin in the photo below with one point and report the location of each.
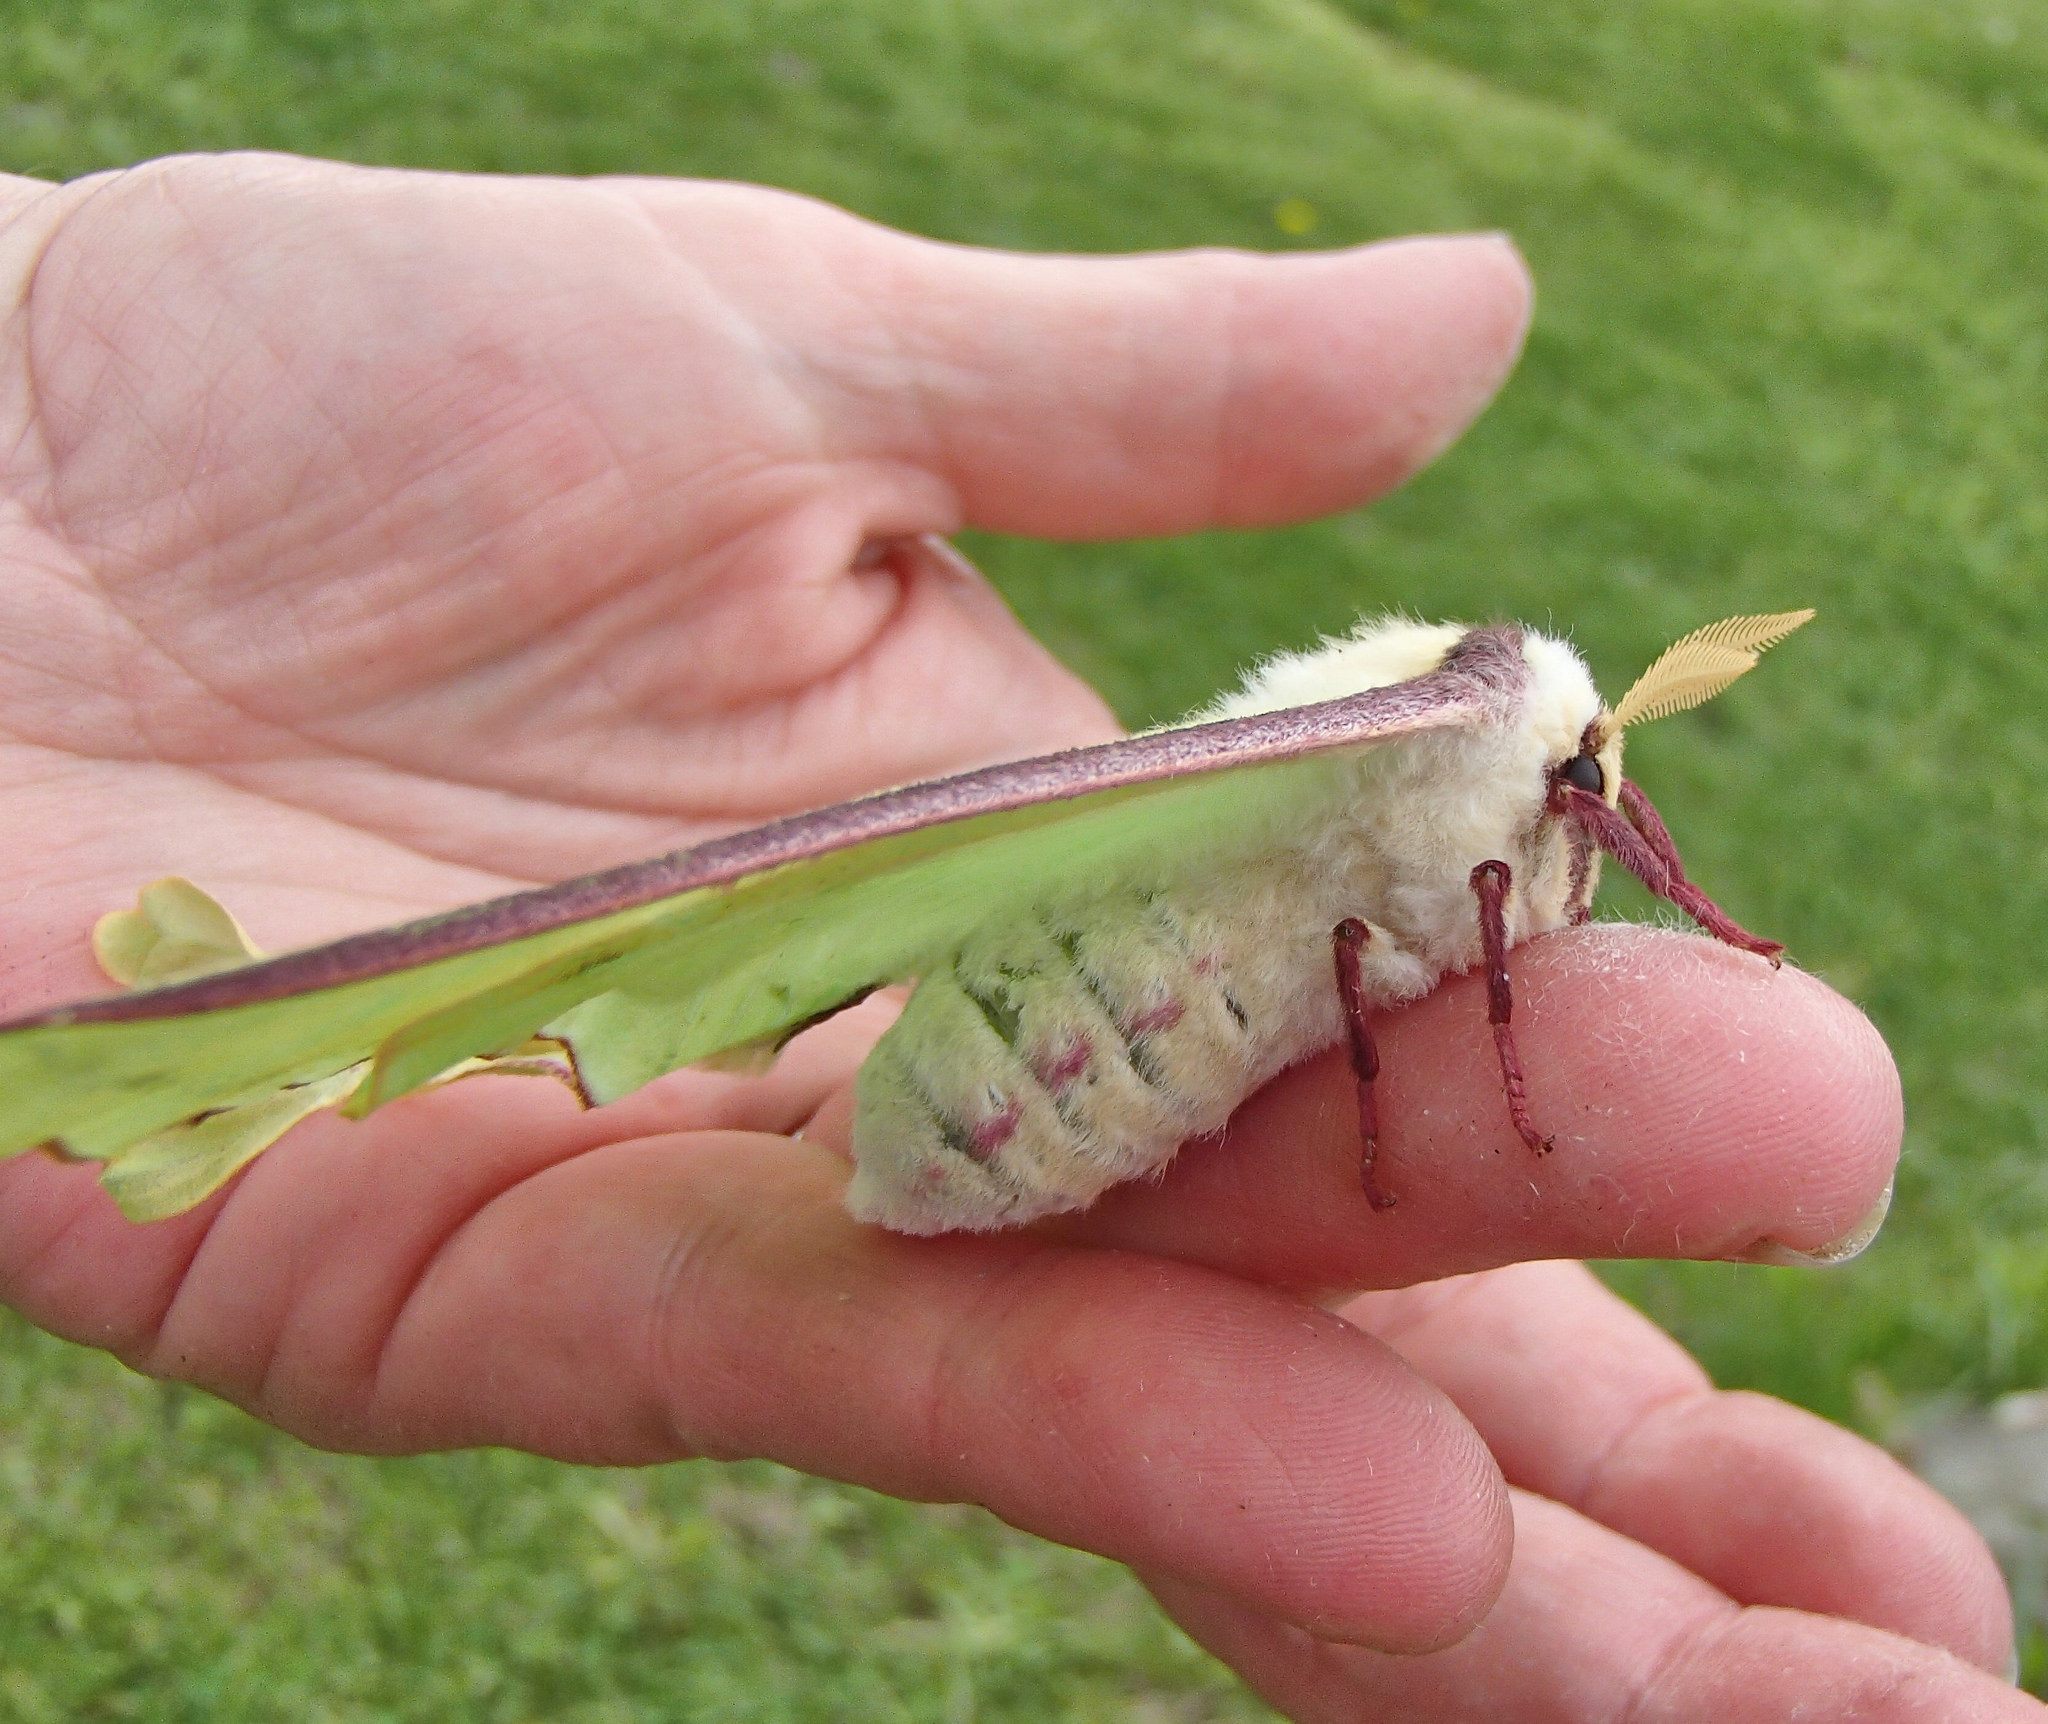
(1483, 677)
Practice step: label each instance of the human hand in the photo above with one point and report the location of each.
(377, 542)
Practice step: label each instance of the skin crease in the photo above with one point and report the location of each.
(376, 542)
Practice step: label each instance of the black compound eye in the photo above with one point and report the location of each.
(1583, 772)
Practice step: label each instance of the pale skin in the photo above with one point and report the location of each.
(378, 542)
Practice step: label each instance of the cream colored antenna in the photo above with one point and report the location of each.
(1701, 665)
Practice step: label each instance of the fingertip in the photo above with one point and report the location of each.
(1745, 1075)
(1244, 1443)
(1115, 396)
(1478, 1516)
(1594, 1626)
(1366, 366)
(1701, 1103)
(71, 1263)
(1479, 284)
(1589, 1404)
(1805, 1515)
(1413, 1541)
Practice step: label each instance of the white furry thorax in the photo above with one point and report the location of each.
(1191, 987)
(1415, 817)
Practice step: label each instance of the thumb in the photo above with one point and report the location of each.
(1074, 397)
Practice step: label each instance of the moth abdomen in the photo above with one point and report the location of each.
(1157, 972)
(1002, 1017)
(1051, 1058)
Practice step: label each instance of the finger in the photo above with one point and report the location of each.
(1702, 1105)
(1090, 397)
(1152, 1413)
(1584, 1400)
(1079, 397)
(1593, 1626)
(708, 1295)
(71, 1263)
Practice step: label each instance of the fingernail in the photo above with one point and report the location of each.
(1851, 1244)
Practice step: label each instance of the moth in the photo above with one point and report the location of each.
(1111, 946)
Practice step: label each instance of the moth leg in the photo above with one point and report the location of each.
(1490, 884)
(1347, 940)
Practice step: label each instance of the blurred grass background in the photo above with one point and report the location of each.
(1792, 348)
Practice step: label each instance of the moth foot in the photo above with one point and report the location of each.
(1377, 1196)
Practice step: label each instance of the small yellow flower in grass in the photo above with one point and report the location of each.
(1295, 216)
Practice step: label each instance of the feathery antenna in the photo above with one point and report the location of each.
(1701, 664)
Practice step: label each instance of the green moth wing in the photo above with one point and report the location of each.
(615, 978)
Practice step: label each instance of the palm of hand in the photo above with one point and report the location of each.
(403, 569)
(492, 552)
(387, 542)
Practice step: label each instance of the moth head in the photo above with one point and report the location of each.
(1563, 712)
(1594, 767)
(1611, 814)
(1690, 671)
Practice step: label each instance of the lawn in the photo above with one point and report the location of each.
(1792, 348)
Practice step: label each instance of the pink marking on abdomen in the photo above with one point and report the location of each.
(1057, 1071)
(992, 1133)
(1157, 1018)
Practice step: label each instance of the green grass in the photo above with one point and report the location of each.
(1792, 348)
(171, 1562)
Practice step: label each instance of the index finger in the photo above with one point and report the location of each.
(1702, 1105)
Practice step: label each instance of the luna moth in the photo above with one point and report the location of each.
(1111, 946)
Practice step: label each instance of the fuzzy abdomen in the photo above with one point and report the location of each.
(1068, 1050)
